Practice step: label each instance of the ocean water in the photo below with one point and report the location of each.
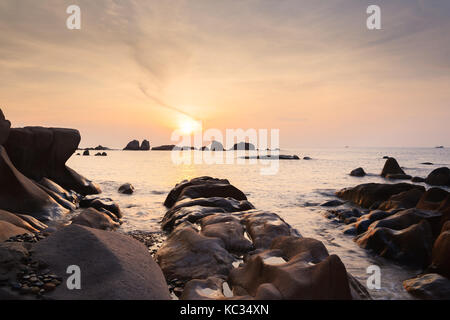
(294, 192)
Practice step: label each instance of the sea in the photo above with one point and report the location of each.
(294, 190)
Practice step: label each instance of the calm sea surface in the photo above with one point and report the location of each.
(295, 192)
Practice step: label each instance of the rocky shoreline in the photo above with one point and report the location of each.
(403, 222)
(214, 243)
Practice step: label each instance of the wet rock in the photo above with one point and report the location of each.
(39, 152)
(307, 158)
(229, 230)
(58, 198)
(225, 204)
(404, 219)
(33, 222)
(293, 280)
(391, 167)
(132, 145)
(16, 220)
(263, 227)
(410, 246)
(332, 203)
(174, 194)
(101, 203)
(406, 200)
(86, 153)
(188, 255)
(20, 194)
(310, 250)
(430, 286)
(427, 163)
(432, 199)
(207, 289)
(439, 177)
(417, 179)
(126, 188)
(345, 215)
(93, 218)
(366, 195)
(145, 145)
(441, 252)
(363, 223)
(187, 214)
(210, 190)
(131, 272)
(56, 188)
(358, 172)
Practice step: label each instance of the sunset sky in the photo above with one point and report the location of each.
(309, 68)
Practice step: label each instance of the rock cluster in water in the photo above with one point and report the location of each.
(220, 247)
(134, 145)
(406, 223)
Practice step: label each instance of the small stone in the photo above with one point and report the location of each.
(49, 286)
(34, 279)
(35, 290)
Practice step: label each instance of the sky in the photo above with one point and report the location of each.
(312, 69)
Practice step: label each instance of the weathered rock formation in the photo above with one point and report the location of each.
(113, 266)
(391, 167)
(220, 247)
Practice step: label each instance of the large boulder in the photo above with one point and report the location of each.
(132, 145)
(392, 167)
(429, 286)
(363, 223)
(210, 190)
(39, 152)
(187, 214)
(441, 252)
(145, 145)
(432, 199)
(439, 177)
(8, 230)
(188, 255)
(369, 194)
(96, 219)
(406, 218)
(263, 227)
(101, 204)
(19, 194)
(407, 199)
(227, 228)
(174, 194)
(266, 276)
(16, 220)
(225, 205)
(411, 246)
(113, 266)
(5, 125)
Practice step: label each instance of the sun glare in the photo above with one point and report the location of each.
(189, 126)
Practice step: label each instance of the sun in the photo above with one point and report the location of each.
(188, 125)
